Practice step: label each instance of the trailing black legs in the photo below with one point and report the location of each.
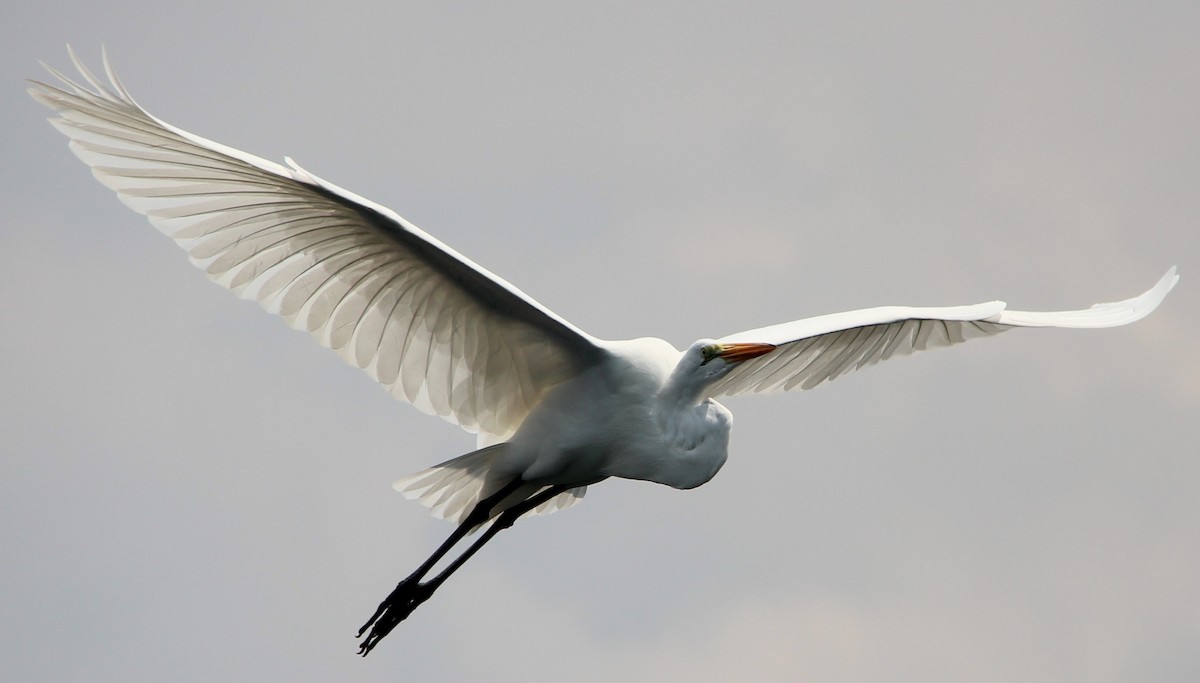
(411, 592)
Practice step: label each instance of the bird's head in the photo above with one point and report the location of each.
(714, 359)
(709, 350)
(707, 361)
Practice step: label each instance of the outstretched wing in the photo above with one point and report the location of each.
(432, 327)
(815, 350)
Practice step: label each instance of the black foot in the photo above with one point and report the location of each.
(394, 609)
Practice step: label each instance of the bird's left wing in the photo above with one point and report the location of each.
(434, 328)
(811, 351)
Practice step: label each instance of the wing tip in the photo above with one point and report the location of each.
(1110, 314)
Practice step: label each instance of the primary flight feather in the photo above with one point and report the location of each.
(555, 408)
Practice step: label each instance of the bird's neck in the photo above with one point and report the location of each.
(687, 383)
(683, 389)
(694, 433)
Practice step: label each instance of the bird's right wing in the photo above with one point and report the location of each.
(814, 350)
(434, 328)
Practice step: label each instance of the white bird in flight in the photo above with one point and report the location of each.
(555, 409)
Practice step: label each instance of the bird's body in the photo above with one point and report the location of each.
(638, 414)
(555, 408)
(635, 413)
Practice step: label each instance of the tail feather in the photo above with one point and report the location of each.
(452, 489)
(560, 502)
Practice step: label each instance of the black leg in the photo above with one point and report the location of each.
(505, 520)
(478, 515)
(410, 592)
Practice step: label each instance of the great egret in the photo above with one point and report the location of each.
(555, 408)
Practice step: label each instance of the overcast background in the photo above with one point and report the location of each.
(190, 491)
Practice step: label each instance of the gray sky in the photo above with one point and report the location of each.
(190, 491)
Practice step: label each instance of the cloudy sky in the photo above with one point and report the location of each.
(190, 491)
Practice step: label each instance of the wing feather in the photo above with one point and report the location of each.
(434, 328)
(815, 350)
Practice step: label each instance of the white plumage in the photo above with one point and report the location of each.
(555, 408)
